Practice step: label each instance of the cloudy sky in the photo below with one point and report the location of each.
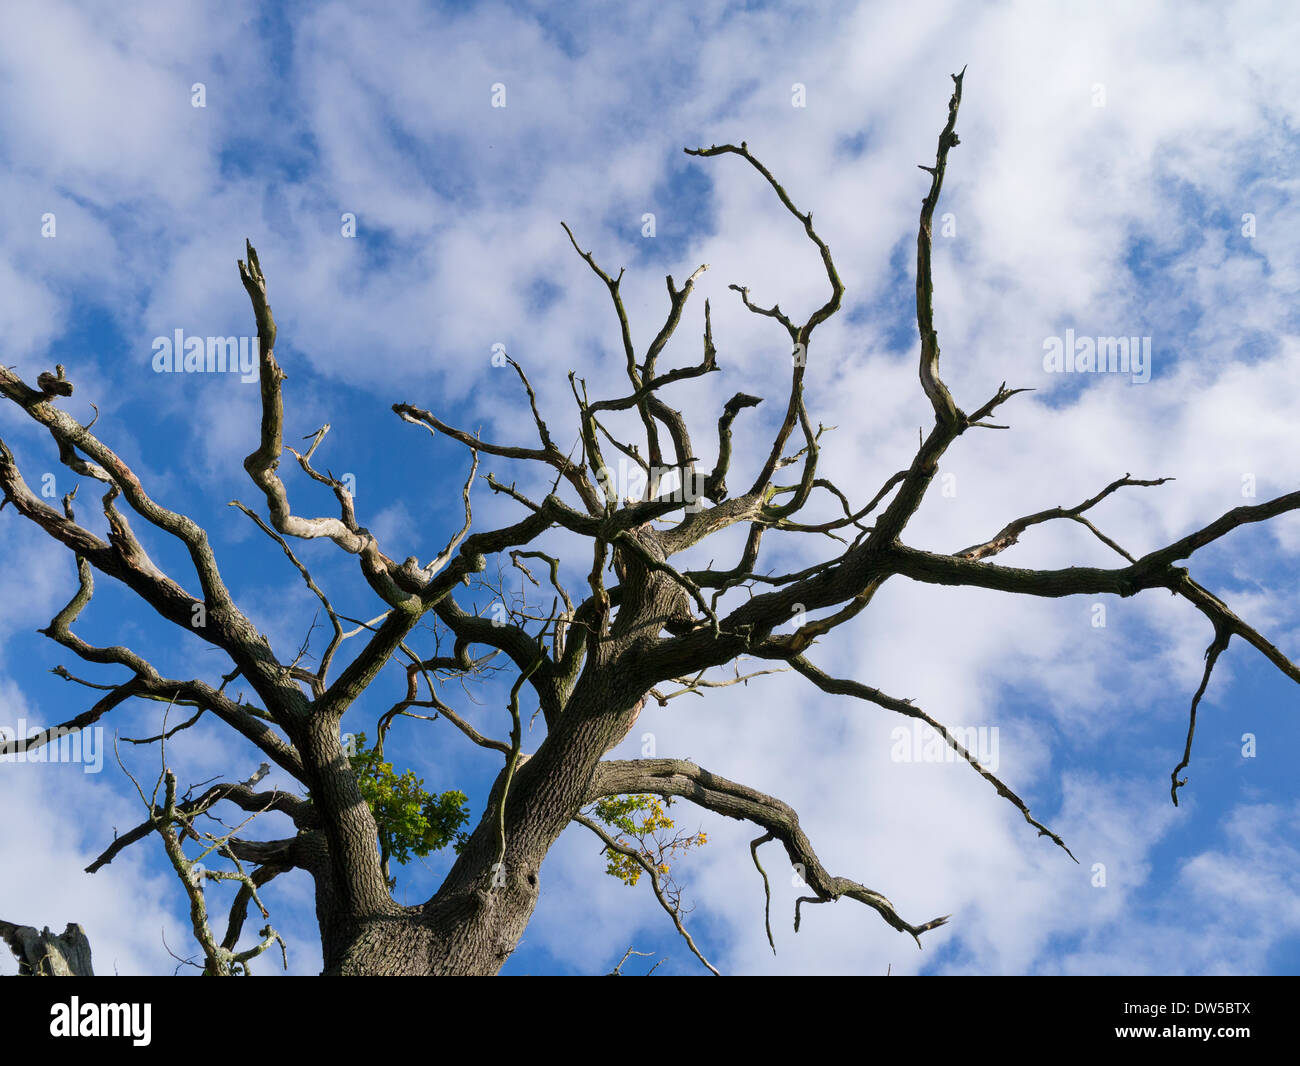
(1124, 171)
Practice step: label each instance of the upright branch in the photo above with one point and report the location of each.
(800, 336)
(379, 570)
(945, 410)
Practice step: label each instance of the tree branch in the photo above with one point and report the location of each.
(676, 777)
(673, 912)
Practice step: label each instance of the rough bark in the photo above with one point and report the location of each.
(46, 954)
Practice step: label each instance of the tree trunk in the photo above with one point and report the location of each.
(43, 954)
(476, 919)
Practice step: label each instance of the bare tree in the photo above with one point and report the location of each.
(593, 659)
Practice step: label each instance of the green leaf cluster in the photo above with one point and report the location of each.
(410, 820)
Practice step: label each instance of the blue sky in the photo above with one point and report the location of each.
(1110, 157)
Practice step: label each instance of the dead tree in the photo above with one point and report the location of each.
(591, 662)
(41, 953)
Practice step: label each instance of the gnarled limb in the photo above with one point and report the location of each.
(715, 485)
(1010, 533)
(146, 683)
(107, 467)
(261, 464)
(946, 411)
(1217, 646)
(800, 336)
(223, 625)
(243, 796)
(41, 953)
(676, 777)
(840, 687)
